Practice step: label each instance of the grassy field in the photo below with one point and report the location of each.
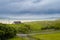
(36, 26)
(52, 36)
(44, 28)
(17, 38)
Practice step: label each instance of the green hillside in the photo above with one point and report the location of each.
(9, 31)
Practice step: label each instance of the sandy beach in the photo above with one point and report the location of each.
(11, 21)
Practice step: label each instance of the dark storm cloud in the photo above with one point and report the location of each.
(29, 7)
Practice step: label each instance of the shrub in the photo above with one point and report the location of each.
(6, 31)
(25, 29)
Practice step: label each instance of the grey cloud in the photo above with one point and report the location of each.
(29, 6)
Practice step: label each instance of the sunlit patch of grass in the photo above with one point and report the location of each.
(52, 36)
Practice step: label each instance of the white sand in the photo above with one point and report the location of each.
(11, 21)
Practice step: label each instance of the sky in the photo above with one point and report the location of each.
(29, 9)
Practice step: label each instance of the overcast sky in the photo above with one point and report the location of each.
(30, 9)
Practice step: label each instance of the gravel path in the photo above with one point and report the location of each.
(29, 36)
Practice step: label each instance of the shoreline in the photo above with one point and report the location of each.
(11, 21)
